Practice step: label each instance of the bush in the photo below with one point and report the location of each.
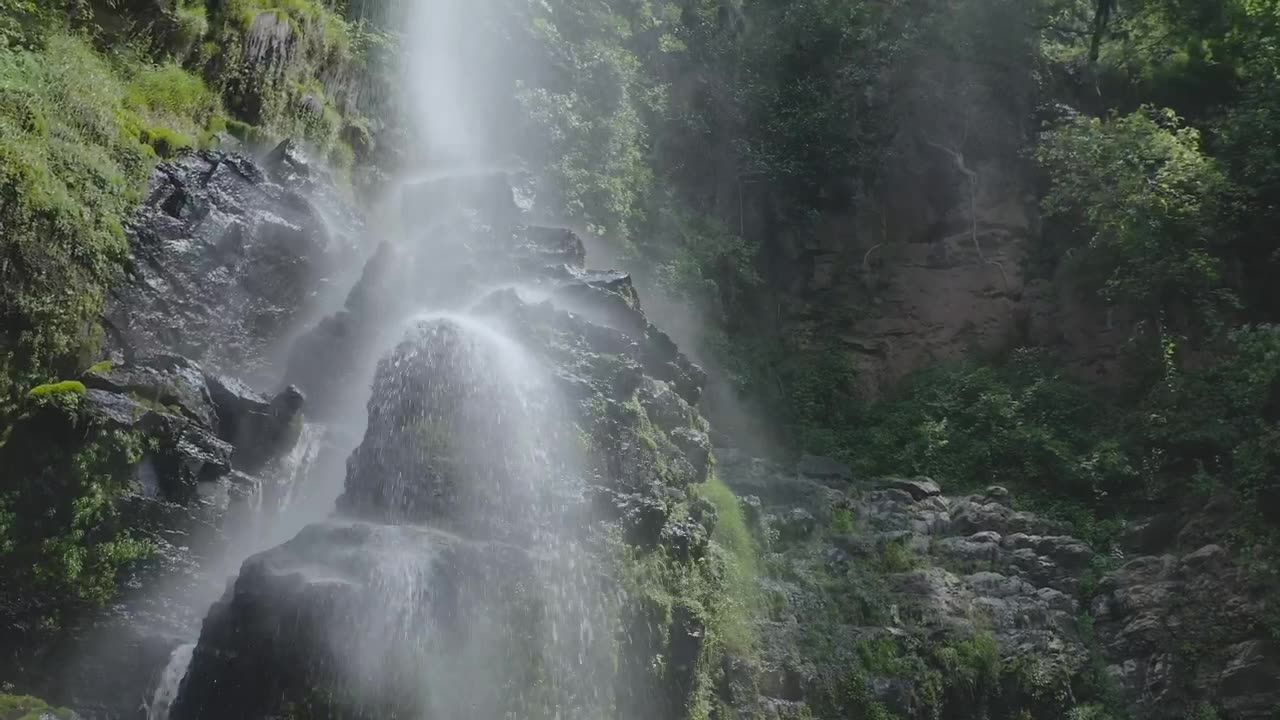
(22, 707)
(1148, 198)
(973, 425)
(62, 544)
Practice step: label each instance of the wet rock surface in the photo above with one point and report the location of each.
(534, 396)
(225, 257)
(880, 591)
(876, 586)
(282, 618)
(1186, 624)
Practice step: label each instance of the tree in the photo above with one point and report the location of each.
(1147, 197)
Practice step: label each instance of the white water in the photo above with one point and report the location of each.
(391, 644)
(269, 522)
(167, 691)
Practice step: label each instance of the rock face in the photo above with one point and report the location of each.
(439, 611)
(1181, 623)
(526, 459)
(224, 262)
(893, 597)
(227, 257)
(185, 494)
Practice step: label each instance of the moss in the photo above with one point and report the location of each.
(735, 616)
(166, 142)
(74, 387)
(101, 366)
(167, 96)
(246, 133)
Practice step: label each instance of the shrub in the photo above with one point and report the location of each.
(23, 707)
(1148, 197)
(1022, 424)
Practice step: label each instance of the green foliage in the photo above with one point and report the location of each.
(737, 611)
(165, 142)
(192, 23)
(847, 696)
(842, 522)
(974, 425)
(169, 97)
(61, 540)
(70, 171)
(1203, 711)
(1147, 195)
(25, 707)
(971, 666)
(895, 557)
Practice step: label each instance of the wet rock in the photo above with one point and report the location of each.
(223, 262)
(1184, 628)
(386, 614)
(166, 382)
(917, 488)
(823, 468)
(446, 442)
(696, 448)
(259, 428)
(793, 525)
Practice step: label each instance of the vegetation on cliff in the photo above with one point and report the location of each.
(92, 95)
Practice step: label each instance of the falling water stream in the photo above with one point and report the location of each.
(500, 437)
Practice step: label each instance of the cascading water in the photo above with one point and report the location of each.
(167, 691)
(455, 580)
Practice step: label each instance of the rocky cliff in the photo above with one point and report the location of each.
(524, 506)
(890, 598)
(185, 455)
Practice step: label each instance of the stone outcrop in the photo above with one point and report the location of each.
(881, 592)
(227, 258)
(225, 261)
(891, 596)
(1181, 622)
(526, 456)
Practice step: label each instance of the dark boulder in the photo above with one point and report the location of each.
(223, 263)
(450, 435)
(259, 428)
(390, 621)
(167, 382)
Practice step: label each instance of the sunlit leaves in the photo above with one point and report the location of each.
(1146, 195)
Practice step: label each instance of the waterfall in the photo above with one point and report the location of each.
(167, 691)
